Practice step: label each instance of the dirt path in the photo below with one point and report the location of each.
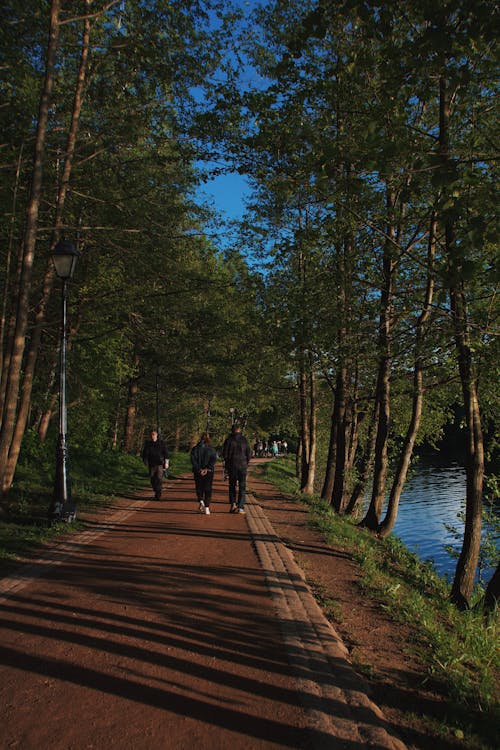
(159, 627)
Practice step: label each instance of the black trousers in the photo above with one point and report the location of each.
(203, 486)
(156, 477)
(237, 478)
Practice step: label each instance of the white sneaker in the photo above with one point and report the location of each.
(202, 507)
(207, 511)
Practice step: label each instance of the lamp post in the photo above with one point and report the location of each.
(62, 508)
(157, 385)
(232, 412)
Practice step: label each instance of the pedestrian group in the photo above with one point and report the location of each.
(236, 455)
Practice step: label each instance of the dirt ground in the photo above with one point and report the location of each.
(154, 629)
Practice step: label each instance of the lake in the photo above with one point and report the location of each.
(432, 499)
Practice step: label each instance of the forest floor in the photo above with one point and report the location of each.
(161, 628)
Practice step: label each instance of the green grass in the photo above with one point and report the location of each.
(459, 649)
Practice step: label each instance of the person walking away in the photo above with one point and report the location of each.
(156, 457)
(236, 453)
(203, 458)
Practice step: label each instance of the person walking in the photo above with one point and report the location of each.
(236, 454)
(156, 457)
(203, 458)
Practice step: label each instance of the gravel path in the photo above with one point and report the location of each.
(159, 627)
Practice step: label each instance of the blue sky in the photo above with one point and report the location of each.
(227, 193)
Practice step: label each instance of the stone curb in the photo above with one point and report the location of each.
(334, 696)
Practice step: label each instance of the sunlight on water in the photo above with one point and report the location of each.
(431, 501)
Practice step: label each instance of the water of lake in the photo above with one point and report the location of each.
(433, 499)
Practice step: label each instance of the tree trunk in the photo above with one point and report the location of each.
(29, 368)
(298, 460)
(465, 572)
(8, 260)
(308, 487)
(130, 415)
(492, 595)
(177, 439)
(355, 420)
(46, 418)
(304, 423)
(340, 455)
(364, 469)
(327, 489)
(389, 521)
(19, 339)
(131, 412)
(382, 394)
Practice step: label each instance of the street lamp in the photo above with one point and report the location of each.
(157, 384)
(232, 412)
(63, 508)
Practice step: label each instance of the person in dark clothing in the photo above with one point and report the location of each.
(236, 454)
(203, 458)
(156, 457)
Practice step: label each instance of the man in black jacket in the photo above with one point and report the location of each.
(236, 454)
(156, 457)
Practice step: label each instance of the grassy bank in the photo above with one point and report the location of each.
(460, 649)
(95, 480)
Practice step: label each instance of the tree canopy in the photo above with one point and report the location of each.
(357, 309)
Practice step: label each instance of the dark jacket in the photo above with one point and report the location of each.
(236, 452)
(155, 452)
(203, 457)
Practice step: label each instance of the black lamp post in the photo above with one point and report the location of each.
(158, 401)
(62, 508)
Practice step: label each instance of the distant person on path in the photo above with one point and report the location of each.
(203, 458)
(156, 457)
(236, 454)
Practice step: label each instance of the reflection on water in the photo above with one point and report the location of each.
(432, 500)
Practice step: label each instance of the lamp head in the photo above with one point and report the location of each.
(64, 257)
